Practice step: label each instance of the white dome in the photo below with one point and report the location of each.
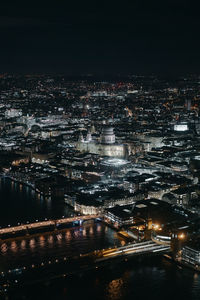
(107, 135)
(107, 130)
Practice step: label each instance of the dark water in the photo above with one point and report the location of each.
(19, 203)
(146, 278)
(66, 243)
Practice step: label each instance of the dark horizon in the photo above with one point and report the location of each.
(100, 38)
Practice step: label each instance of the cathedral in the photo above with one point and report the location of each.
(105, 145)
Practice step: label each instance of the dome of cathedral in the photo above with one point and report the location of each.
(107, 135)
(107, 130)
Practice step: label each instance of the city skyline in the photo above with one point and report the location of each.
(99, 174)
(99, 150)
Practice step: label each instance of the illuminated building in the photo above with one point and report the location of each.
(120, 215)
(181, 127)
(188, 104)
(161, 237)
(12, 113)
(115, 162)
(107, 135)
(191, 255)
(105, 146)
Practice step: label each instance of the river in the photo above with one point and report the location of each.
(150, 277)
(20, 203)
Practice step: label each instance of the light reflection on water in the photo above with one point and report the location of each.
(23, 244)
(20, 203)
(148, 278)
(32, 243)
(115, 288)
(13, 246)
(159, 279)
(69, 242)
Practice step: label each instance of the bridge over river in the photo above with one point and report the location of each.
(132, 249)
(66, 266)
(43, 226)
(34, 259)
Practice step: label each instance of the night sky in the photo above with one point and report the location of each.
(81, 37)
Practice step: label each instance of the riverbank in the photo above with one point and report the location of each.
(20, 203)
(30, 185)
(182, 263)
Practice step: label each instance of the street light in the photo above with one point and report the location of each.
(156, 227)
(181, 236)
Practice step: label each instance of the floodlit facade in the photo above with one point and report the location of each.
(105, 147)
(191, 255)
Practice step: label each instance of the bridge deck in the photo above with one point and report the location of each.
(21, 227)
(133, 249)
